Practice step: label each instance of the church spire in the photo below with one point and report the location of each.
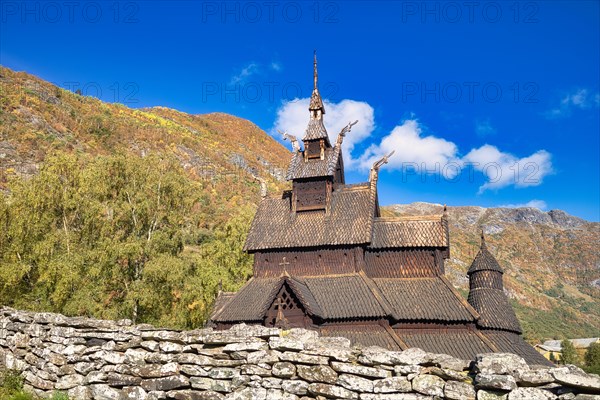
(316, 103)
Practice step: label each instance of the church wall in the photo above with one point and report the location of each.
(305, 262)
(402, 263)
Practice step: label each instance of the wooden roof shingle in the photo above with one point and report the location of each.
(408, 232)
(348, 222)
(494, 309)
(418, 299)
(460, 343)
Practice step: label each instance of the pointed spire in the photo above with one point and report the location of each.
(315, 73)
(316, 129)
(316, 103)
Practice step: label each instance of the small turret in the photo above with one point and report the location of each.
(486, 293)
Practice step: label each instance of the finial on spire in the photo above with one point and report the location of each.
(482, 238)
(315, 74)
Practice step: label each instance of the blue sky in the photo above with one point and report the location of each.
(486, 103)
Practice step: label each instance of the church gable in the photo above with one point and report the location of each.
(286, 310)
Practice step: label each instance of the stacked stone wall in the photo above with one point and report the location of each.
(116, 360)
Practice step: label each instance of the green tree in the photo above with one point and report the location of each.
(569, 354)
(592, 358)
(119, 237)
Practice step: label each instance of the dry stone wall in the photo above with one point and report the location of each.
(116, 360)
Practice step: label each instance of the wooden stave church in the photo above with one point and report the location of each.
(325, 259)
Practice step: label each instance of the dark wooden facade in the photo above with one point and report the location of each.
(325, 259)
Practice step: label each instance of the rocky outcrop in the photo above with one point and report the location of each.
(94, 359)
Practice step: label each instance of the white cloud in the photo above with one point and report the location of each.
(484, 127)
(541, 204)
(411, 147)
(414, 149)
(504, 169)
(580, 99)
(293, 117)
(276, 66)
(245, 73)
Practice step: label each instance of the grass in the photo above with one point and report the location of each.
(11, 388)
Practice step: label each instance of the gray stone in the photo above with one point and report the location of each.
(395, 396)
(80, 393)
(258, 393)
(95, 377)
(430, 385)
(215, 385)
(534, 377)
(105, 392)
(297, 387)
(360, 370)
(392, 385)
(69, 381)
(250, 369)
(454, 390)
(245, 346)
(331, 391)
(194, 395)
(500, 364)
(166, 383)
(317, 373)
(156, 370)
(407, 369)
(491, 395)
(197, 359)
(283, 343)
(530, 393)
(355, 383)
(302, 358)
(271, 383)
(576, 378)
(119, 380)
(265, 356)
(37, 382)
(170, 347)
(284, 369)
(133, 393)
(223, 373)
(136, 356)
(495, 382)
(193, 370)
(150, 345)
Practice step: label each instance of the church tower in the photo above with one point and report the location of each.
(486, 293)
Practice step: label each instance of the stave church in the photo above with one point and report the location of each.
(326, 260)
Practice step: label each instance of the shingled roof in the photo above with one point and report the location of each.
(428, 299)
(315, 130)
(461, 343)
(420, 231)
(484, 261)
(353, 296)
(348, 222)
(300, 168)
(494, 309)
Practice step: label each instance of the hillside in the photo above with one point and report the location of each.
(551, 262)
(49, 136)
(37, 118)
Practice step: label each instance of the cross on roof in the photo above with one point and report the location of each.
(284, 262)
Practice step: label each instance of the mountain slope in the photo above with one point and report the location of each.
(551, 263)
(37, 118)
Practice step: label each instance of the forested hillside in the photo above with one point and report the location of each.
(116, 213)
